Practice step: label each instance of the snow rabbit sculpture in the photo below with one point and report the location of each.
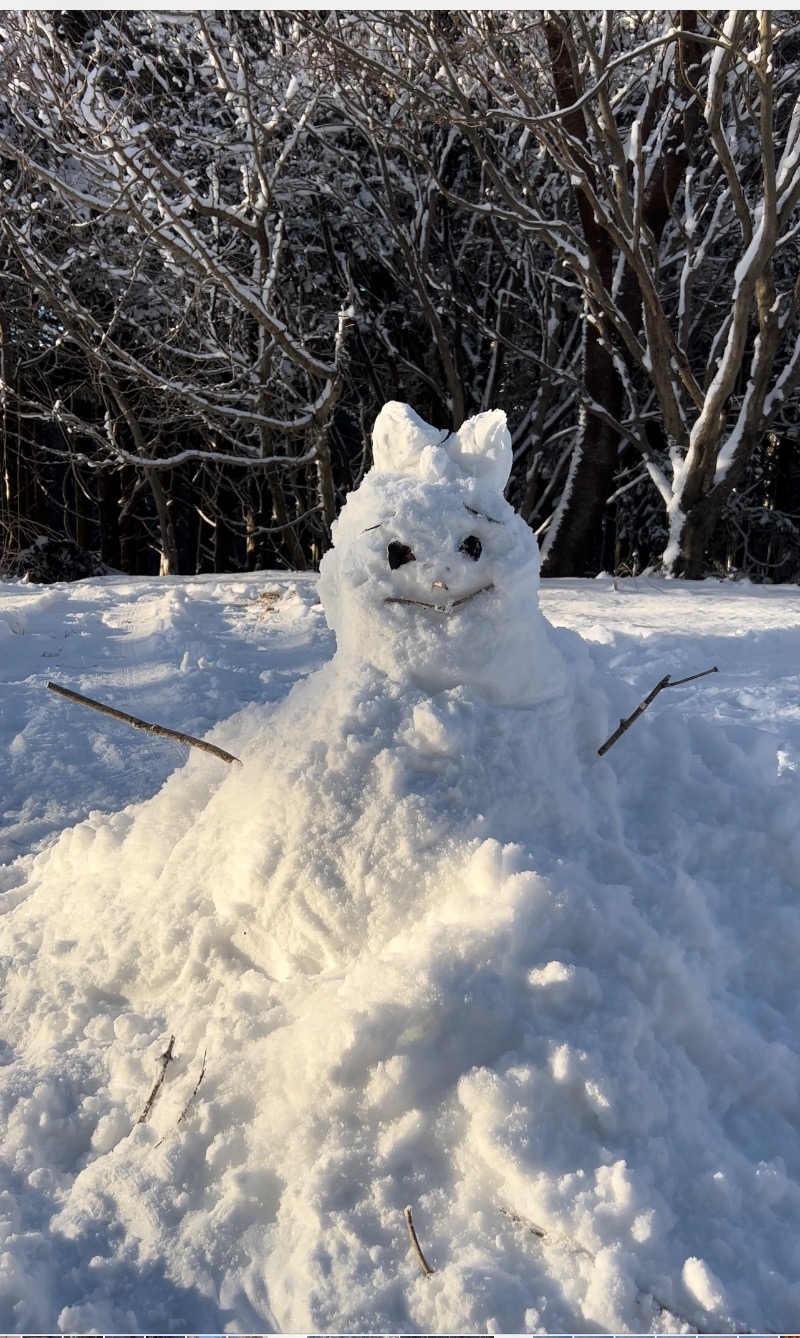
(433, 577)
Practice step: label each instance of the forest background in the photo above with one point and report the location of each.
(227, 239)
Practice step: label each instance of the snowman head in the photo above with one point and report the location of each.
(433, 578)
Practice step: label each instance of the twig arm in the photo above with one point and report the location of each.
(665, 682)
(676, 682)
(176, 734)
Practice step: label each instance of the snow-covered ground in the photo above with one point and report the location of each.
(575, 1056)
(416, 947)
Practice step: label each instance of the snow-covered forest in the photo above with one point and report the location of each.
(227, 240)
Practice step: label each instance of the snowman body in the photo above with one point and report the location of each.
(439, 724)
(389, 766)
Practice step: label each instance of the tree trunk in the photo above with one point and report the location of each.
(698, 528)
(256, 518)
(576, 546)
(226, 503)
(573, 546)
(169, 550)
(124, 530)
(83, 511)
(705, 503)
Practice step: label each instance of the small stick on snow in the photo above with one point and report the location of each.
(159, 1082)
(143, 724)
(564, 1243)
(423, 1263)
(525, 1222)
(666, 682)
(192, 1096)
(182, 1115)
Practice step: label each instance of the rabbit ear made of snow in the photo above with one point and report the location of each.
(400, 438)
(482, 448)
(402, 443)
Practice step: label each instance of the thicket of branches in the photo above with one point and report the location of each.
(227, 239)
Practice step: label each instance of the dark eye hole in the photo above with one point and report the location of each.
(472, 547)
(399, 555)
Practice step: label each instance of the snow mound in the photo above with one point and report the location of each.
(422, 947)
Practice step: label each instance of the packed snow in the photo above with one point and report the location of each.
(421, 946)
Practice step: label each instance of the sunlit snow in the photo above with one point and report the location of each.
(423, 946)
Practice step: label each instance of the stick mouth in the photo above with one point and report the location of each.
(449, 607)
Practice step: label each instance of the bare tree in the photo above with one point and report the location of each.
(675, 138)
(467, 308)
(227, 238)
(155, 158)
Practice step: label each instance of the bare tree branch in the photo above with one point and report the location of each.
(162, 730)
(665, 682)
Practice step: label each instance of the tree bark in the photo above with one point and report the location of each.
(576, 547)
(169, 550)
(573, 548)
(696, 534)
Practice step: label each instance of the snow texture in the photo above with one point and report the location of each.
(424, 946)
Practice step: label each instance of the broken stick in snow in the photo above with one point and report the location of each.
(143, 724)
(196, 1087)
(159, 1082)
(424, 1265)
(666, 682)
(195, 1090)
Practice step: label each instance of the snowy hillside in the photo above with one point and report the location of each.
(422, 948)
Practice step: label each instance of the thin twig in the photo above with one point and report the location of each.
(192, 1096)
(564, 1243)
(440, 608)
(159, 1082)
(424, 1265)
(182, 1115)
(176, 734)
(525, 1222)
(666, 682)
